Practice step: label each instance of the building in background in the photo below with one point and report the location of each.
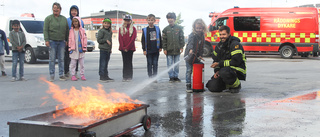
(94, 22)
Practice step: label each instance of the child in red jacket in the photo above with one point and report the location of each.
(77, 47)
(127, 37)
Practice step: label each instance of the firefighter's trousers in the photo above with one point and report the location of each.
(227, 79)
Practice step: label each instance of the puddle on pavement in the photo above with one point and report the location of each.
(205, 114)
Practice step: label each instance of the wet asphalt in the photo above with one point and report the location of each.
(279, 98)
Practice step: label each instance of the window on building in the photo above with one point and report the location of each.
(246, 23)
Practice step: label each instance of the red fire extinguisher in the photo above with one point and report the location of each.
(198, 78)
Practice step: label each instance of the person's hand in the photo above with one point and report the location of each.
(108, 42)
(47, 43)
(216, 75)
(215, 64)
(165, 52)
(181, 50)
(144, 52)
(201, 58)
(125, 50)
(191, 51)
(19, 48)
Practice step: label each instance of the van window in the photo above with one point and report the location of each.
(219, 22)
(33, 26)
(246, 23)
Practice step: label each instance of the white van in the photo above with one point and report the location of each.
(33, 29)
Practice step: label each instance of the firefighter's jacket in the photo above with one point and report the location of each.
(231, 54)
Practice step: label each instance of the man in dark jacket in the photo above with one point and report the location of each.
(229, 63)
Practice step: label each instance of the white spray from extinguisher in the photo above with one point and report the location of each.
(147, 82)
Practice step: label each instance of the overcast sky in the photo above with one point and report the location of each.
(189, 9)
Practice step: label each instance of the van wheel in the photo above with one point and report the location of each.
(29, 56)
(286, 52)
(206, 51)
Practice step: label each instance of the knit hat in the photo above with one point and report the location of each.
(107, 20)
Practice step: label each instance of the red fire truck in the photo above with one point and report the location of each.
(289, 31)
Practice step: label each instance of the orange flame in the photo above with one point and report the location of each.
(89, 103)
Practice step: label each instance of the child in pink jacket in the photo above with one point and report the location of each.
(77, 47)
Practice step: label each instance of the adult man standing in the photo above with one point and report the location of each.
(229, 63)
(55, 31)
(173, 43)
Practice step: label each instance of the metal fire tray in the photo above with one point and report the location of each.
(43, 125)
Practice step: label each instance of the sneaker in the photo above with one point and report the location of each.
(73, 78)
(124, 80)
(177, 80)
(235, 90)
(51, 78)
(4, 73)
(13, 79)
(171, 80)
(129, 79)
(67, 75)
(103, 79)
(189, 90)
(62, 78)
(109, 79)
(22, 79)
(83, 78)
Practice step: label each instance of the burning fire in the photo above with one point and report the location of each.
(89, 103)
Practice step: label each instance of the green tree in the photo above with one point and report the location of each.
(179, 20)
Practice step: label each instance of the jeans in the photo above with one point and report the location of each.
(103, 63)
(57, 48)
(127, 71)
(188, 72)
(171, 60)
(152, 60)
(15, 57)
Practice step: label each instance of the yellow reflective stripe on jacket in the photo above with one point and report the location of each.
(239, 69)
(236, 52)
(226, 63)
(215, 53)
(234, 85)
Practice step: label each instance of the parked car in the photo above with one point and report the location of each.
(90, 45)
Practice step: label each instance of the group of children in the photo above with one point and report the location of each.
(171, 41)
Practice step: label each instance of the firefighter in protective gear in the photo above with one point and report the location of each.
(229, 63)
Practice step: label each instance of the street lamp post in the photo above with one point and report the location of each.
(117, 28)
